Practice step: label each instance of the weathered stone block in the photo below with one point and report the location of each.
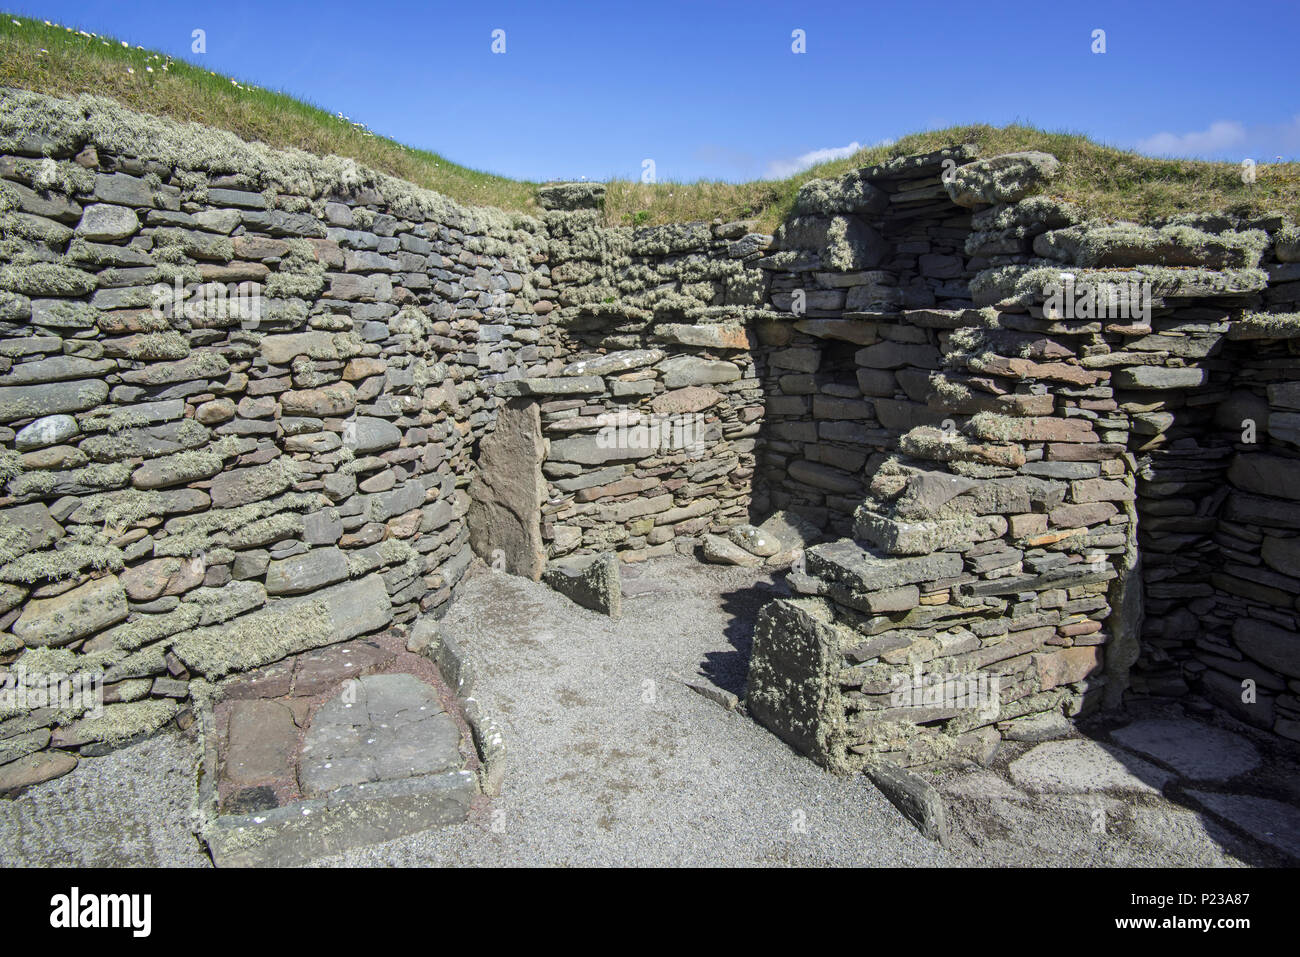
(306, 572)
(593, 583)
(75, 614)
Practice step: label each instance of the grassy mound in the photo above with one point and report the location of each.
(1106, 181)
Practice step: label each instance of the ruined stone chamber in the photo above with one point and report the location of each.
(254, 403)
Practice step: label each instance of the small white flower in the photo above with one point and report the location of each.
(130, 70)
(125, 44)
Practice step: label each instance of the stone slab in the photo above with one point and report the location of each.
(1195, 750)
(351, 817)
(593, 583)
(1082, 767)
(1270, 822)
(508, 492)
(379, 728)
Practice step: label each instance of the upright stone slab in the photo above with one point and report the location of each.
(792, 678)
(508, 492)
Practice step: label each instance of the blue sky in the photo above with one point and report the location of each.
(713, 89)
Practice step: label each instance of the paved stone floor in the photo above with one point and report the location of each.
(392, 728)
(612, 759)
(354, 713)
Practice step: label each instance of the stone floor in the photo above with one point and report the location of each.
(1171, 787)
(613, 759)
(363, 723)
(318, 704)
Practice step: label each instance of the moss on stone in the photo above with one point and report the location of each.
(255, 640)
(46, 279)
(61, 563)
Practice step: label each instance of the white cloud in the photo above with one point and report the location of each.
(780, 169)
(1219, 136)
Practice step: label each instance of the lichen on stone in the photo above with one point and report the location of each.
(1266, 325)
(122, 509)
(122, 722)
(61, 563)
(299, 275)
(238, 527)
(156, 346)
(255, 639)
(46, 279)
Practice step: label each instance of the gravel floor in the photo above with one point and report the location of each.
(612, 760)
(130, 808)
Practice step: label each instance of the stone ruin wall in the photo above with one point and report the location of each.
(981, 476)
(1076, 464)
(200, 493)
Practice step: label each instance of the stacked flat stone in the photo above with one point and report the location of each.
(192, 495)
(1002, 540)
(197, 495)
(844, 373)
(654, 331)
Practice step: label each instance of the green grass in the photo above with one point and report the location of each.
(1108, 182)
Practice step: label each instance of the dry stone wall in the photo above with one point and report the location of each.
(992, 571)
(652, 407)
(240, 393)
